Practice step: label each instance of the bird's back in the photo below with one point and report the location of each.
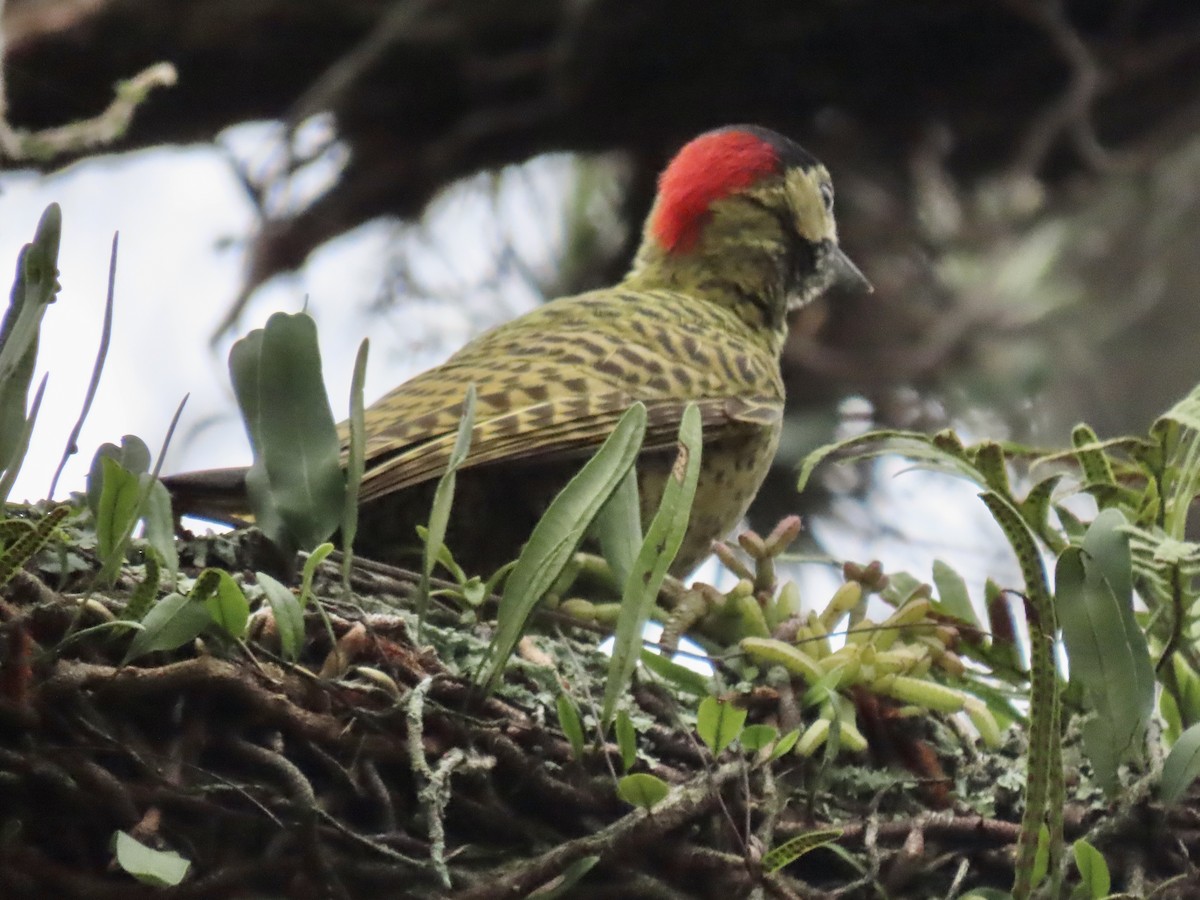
(554, 382)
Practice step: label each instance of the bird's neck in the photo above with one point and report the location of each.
(742, 260)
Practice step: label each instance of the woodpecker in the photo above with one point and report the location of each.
(741, 233)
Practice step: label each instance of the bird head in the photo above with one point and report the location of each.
(744, 216)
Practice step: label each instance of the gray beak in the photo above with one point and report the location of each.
(847, 274)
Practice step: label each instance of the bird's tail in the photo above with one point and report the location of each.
(215, 495)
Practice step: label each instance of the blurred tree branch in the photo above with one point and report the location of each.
(951, 129)
(424, 93)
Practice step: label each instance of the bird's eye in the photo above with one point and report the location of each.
(827, 196)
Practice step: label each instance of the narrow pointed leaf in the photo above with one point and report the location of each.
(34, 288)
(160, 524)
(443, 499)
(663, 539)
(289, 617)
(1106, 647)
(952, 593)
(681, 676)
(571, 724)
(1181, 766)
(778, 857)
(355, 460)
(558, 534)
(618, 527)
(626, 740)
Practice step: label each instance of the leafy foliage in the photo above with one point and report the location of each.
(1144, 488)
(558, 534)
(34, 289)
(296, 483)
(443, 497)
(929, 652)
(662, 542)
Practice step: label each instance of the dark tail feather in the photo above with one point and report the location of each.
(215, 495)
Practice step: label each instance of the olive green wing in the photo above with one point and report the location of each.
(553, 384)
(565, 428)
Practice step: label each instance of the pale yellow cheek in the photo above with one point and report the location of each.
(813, 221)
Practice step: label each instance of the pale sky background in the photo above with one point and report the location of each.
(182, 217)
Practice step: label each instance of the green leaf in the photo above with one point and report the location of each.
(719, 723)
(790, 851)
(309, 572)
(228, 605)
(1107, 649)
(296, 484)
(1187, 694)
(34, 288)
(1093, 870)
(1185, 413)
(1072, 525)
(1177, 430)
(942, 452)
(681, 676)
(173, 621)
(952, 594)
(784, 745)
(20, 444)
(558, 534)
(146, 590)
(1097, 470)
(755, 737)
(121, 489)
(642, 790)
(1106, 544)
(626, 740)
(618, 527)
(355, 460)
(990, 462)
(116, 515)
(1035, 508)
(1044, 780)
(474, 591)
(161, 868)
(1041, 857)
(289, 617)
(1103, 750)
(571, 724)
(663, 539)
(27, 540)
(1181, 766)
(160, 523)
(443, 499)
(133, 455)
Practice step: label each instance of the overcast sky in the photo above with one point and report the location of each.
(183, 218)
